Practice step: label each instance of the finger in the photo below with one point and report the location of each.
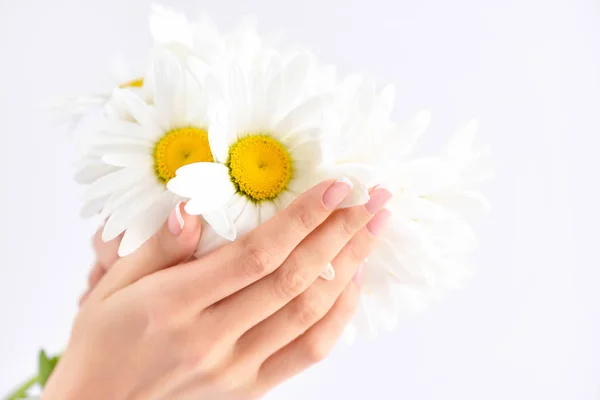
(304, 311)
(174, 243)
(265, 297)
(95, 275)
(84, 297)
(235, 266)
(106, 252)
(313, 346)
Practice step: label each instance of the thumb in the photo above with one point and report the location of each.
(174, 243)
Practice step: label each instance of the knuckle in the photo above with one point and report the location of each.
(303, 218)
(292, 282)
(308, 311)
(347, 226)
(257, 262)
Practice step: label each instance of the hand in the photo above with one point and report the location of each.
(106, 255)
(230, 325)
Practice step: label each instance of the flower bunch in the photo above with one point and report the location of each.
(238, 128)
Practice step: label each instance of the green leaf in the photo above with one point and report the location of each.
(46, 366)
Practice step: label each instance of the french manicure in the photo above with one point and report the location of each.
(175, 221)
(336, 193)
(378, 222)
(328, 273)
(378, 199)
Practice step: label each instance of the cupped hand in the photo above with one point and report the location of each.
(230, 325)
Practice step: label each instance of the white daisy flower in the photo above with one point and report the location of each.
(130, 161)
(200, 42)
(264, 131)
(424, 250)
(362, 142)
(69, 110)
(428, 238)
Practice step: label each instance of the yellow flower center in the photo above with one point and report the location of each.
(136, 83)
(260, 167)
(180, 147)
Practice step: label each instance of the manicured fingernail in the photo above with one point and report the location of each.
(336, 193)
(176, 221)
(328, 273)
(359, 276)
(378, 199)
(378, 222)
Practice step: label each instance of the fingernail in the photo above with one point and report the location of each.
(176, 221)
(359, 276)
(328, 273)
(378, 199)
(378, 222)
(336, 193)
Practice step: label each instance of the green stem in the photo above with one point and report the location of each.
(21, 391)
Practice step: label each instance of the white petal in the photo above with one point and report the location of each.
(425, 176)
(140, 111)
(127, 129)
(93, 207)
(202, 180)
(309, 150)
(248, 220)
(283, 200)
(92, 172)
(128, 195)
(304, 116)
(171, 93)
(122, 218)
(168, 26)
(220, 134)
(146, 224)
(139, 161)
(469, 204)
(221, 223)
(112, 182)
(267, 210)
(286, 85)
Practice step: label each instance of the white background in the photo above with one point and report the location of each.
(526, 327)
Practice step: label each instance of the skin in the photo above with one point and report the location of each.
(230, 325)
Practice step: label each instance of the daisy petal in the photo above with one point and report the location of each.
(146, 224)
(221, 223)
(138, 161)
(125, 215)
(202, 180)
(111, 182)
(139, 110)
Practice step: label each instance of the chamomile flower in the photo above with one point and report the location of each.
(424, 250)
(69, 110)
(265, 127)
(131, 160)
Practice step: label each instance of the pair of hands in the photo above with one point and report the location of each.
(230, 325)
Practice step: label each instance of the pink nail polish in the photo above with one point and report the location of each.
(175, 221)
(360, 275)
(336, 193)
(378, 222)
(379, 198)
